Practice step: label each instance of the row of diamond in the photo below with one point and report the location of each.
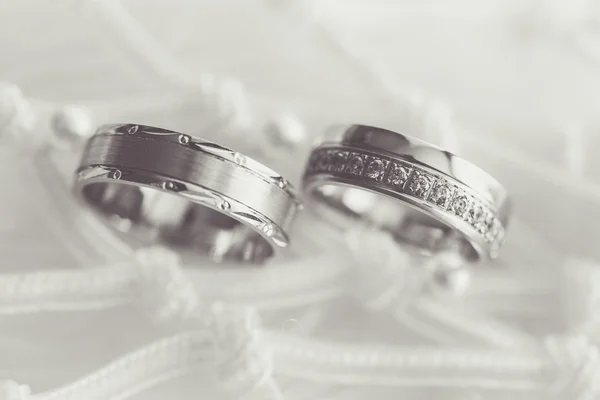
(412, 180)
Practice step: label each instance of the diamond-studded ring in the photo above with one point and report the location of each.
(369, 173)
(162, 187)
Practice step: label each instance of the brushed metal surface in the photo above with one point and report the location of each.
(189, 165)
(162, 186)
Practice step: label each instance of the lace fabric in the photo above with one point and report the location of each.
(84, 316)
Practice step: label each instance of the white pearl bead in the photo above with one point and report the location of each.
(72, 123)
(10, 390)
(285, 131)
(10, 97)
(450, 274)
(455, 281)
(232, 101)
(16, 114)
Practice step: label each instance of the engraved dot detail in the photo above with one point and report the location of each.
(224, 205)
(116, 174)
(420, 184)
(239, 159)
(282, 183)
(268, 229)
(133, 129)
(184, 139)
(169, 185)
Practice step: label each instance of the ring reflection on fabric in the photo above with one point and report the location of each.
(160, 186)
(369, 174)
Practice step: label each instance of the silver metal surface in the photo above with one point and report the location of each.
(162, 186)
(369, 174)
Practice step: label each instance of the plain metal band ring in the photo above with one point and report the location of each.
(214, 199)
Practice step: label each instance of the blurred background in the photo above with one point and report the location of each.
(511, 85)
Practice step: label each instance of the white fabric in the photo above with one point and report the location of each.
(349, 316)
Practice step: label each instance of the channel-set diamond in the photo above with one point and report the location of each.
(338, 161)
(460, 205)
(420, 183)
(398, 174)
(441, 193)
(376, 168)
(356, 164)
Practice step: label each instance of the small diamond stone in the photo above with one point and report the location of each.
(494, 249)
(490, 226)
(493, 229)
(338, 161)
(484, 225)
(460, 205)
(420, 184)
(132, 129)
(356, 164)
(239, 159)
(224, 205)
(376, 169)
(116, 174)
(324, 160)
(499, 235)
(398, 174)
(475, 215)
(441, 193)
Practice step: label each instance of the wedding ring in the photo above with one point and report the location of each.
(369, 174)
(159, 186)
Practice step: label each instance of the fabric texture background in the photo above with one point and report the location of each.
(521, 84)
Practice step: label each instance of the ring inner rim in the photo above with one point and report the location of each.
(203, 228)
(421, 218)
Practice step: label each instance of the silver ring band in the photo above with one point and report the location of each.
(453, 204)
(158, 185)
